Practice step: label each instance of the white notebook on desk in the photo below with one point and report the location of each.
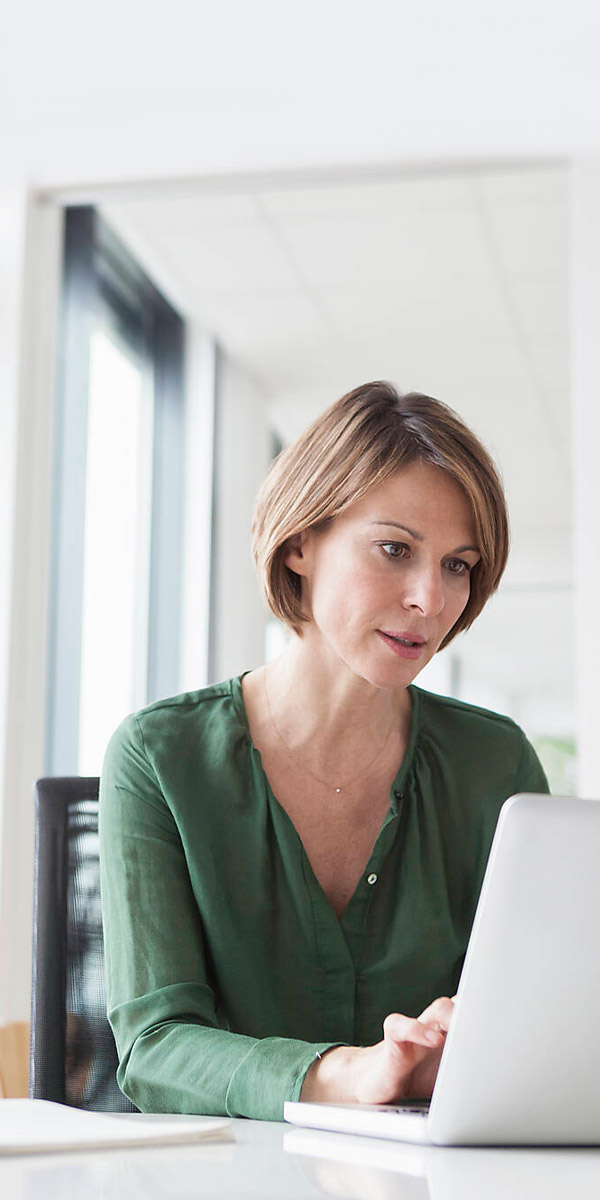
(40, 1126)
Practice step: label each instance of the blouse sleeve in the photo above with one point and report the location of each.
(174, 1055)
(530, 776)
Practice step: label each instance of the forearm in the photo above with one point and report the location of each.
(179, 1066)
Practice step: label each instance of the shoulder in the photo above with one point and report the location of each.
(459, 717)
(174, 730)
(479, 739)
(218, 699)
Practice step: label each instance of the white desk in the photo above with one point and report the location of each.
(269, 1160)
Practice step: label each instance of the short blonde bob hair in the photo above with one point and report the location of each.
(367, 435)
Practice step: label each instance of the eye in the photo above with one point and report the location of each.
(458, 566)
(395, 549)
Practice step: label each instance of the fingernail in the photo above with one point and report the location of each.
(432, 1035)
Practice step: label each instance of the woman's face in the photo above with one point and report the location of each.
(387, 579)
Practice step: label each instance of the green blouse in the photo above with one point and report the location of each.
(227, 967)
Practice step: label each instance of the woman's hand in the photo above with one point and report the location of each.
(404, 1063)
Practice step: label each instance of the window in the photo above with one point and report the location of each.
(118, 503)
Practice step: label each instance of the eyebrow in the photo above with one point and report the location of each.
(419, 536)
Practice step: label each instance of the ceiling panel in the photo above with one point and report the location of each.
(343, 252)
(541, 184)
(428, 306)
(371, 199)
(189, 213)
(239, 256)
(529, 236)
(265, 328)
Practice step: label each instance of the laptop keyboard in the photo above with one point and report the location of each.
(421, 1110)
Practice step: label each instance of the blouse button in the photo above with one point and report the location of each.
(372, 878)
(399, 795)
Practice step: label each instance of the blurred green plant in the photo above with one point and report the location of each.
(558, 756)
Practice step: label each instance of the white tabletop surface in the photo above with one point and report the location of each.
(268, 1160)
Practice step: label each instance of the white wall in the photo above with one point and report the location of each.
(200, 351)
(585, 326)
(13, 212)
(242, 460)
(30, 238)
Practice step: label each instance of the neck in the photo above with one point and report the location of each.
(324, 711)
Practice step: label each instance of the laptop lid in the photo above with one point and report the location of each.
(521, 1062)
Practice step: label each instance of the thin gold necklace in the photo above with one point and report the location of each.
(294, 755)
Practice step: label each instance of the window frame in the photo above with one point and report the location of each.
(102, 279)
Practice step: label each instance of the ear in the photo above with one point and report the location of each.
(295, 552)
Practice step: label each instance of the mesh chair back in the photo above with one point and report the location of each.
(73, 1058)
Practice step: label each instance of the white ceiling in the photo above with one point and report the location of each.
(130, 90)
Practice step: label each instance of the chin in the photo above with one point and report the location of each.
(397, 674)
(388, 677)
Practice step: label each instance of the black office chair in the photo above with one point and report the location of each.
(73, 1057)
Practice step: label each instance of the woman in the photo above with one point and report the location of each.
(291, 859)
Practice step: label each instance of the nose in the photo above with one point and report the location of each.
(424, 591)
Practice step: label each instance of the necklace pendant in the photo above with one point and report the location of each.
(338, 789)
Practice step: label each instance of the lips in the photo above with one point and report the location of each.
(405, 636)
(404, 644)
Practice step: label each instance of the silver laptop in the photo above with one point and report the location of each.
(521, 1062)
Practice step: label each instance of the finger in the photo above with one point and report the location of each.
(439, 1012)
(398, 1028)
